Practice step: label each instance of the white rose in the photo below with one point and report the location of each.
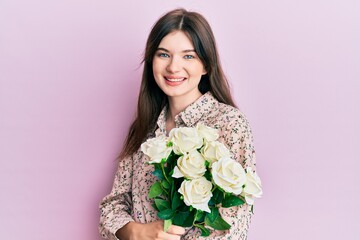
(185, 139)
(208, 133)
(190, 166)
(213, 151)
(197, 193)
(156, 149)
(252, 187)
(229, 175)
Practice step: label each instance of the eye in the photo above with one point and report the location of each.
(189, 56)
(163, 55)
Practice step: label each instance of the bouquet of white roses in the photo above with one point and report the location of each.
(197, 176)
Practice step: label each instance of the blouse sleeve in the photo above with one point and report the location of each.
(116, 207)
(238, 137)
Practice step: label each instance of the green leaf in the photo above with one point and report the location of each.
(184, 208)
(176, 201)
(199, 216)
(172, 159)
(207, 164)
(180, 218)
(172, 185)
(208, 175)
(217, 197)
(162, 204)
(155, 190)
(184, 219)
(231, 200)
(167, 170)
(165, 184)
(154, 206)
(252, 209)
(158, 173)
(157, 166)
(218, 224)
(166, 214)
(167, 224)
(204, 231)
(213, 215)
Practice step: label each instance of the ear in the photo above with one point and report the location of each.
(204, 71)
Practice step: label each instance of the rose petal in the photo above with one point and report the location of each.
(177, 173)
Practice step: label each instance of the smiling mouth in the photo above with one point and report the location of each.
(175, 79)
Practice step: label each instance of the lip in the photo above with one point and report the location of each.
(174, 80)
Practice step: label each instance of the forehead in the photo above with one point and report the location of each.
(176, 41)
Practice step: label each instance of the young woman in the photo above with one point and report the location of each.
(182, 84)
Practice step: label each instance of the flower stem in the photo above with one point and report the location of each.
(167, 192)
(195, 217)
(163, 171)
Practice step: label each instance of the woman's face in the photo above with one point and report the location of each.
(177, 68)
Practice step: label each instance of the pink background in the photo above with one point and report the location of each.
(69, 77)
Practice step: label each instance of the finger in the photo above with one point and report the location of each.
(176, 230)
(169, 236)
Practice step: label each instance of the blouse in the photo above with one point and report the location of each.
(128, 200)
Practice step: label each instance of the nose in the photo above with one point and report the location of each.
(174, 65)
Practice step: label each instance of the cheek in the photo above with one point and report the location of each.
(155, 66)
(158, 65)
(198, 69)
(156, 70)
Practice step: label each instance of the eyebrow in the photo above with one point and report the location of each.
(185, 51)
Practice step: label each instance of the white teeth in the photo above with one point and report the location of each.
(175, 79)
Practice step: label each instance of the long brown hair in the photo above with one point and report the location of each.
(151, 98)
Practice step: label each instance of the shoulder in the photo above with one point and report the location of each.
(235, 132)
(233, 125)
(229, 117)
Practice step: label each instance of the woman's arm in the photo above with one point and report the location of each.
(149, 231)
(116, 207)
(116, 221)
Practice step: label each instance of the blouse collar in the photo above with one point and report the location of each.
(191, 114)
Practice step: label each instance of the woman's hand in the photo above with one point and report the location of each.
(149, 231)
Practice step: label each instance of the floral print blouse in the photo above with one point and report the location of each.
(128, 200)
